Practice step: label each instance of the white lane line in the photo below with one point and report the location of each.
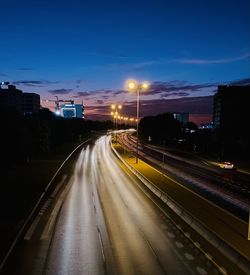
(44, 207)
(179, 226)
(101, 244)
(208, 256)
(197, 244)
(201, 271)
(223, 270)
(189, 256)
(171, 235)
(29, 233)
(179, 245)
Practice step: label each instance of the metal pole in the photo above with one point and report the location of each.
(137, 122)
(116, 129)
(163, 155)
(248, 237)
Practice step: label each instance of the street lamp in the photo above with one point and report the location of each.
(115, 108)
(134, 86)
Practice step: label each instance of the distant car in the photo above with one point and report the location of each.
(227, 165)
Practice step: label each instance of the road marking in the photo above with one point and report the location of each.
(201, 271)
(171, 235)
(101, 244)
(223, 270)
(187, 235)
(44, 207)
(178, 226)
(189, 256)
(29, 233)
(197, 244)
(179, 245)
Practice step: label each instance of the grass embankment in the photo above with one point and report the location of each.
(22, 186)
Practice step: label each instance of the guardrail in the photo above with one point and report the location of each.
(208, 235)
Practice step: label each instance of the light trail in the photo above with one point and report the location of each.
(108, 226)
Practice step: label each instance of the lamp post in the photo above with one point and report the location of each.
(115, 115)
(134, 86)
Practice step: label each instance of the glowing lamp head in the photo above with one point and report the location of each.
(119, 106)
(145, 85)
(131, 85)
(112, 106)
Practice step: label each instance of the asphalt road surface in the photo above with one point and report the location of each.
(108, 225)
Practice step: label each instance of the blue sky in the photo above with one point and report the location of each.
(86, 49)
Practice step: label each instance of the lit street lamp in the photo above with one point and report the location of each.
(134, 86)
(115, 115)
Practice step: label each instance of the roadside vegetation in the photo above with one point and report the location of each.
(232, 142)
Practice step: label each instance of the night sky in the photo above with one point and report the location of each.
(85, 50)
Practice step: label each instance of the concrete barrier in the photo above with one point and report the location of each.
(211, 237)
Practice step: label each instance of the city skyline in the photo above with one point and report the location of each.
(86, 51)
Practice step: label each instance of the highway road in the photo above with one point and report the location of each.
(229, 189)
(104, 223)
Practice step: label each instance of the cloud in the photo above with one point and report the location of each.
(105, 97)
(212, 61)
(197, 106)
(176, 88)
(157, 89)
(60, 91)
(83, 94)
(104, 93)
(36, 83)
(179, 94)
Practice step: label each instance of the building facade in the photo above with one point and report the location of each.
(17, 100)
(31, 103)
(182, 117)
(11, 98)
(231, 107)
(231, 120)
(72, 110)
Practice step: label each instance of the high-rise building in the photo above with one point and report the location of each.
(182, 117)
(231, 107)
(23, 102)
(31, 103)
(11, 98)
(72, 110)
